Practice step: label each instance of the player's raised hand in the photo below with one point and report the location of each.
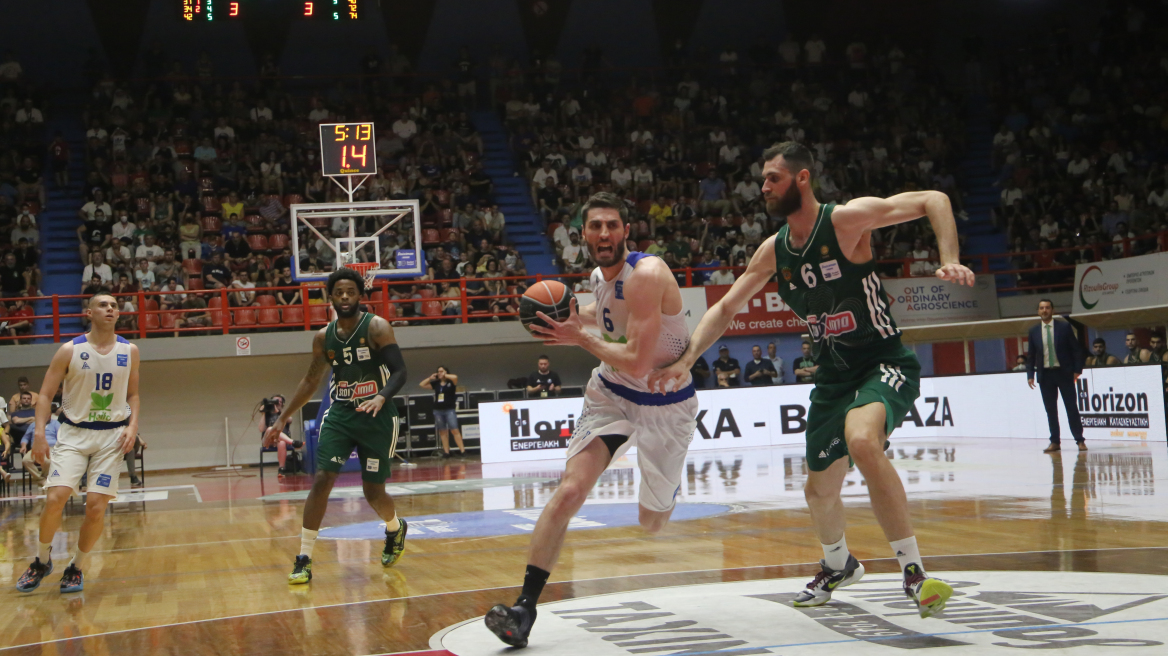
(373, 405)
(273, 433)
(569, 332)
(958, 273)
(668, 379)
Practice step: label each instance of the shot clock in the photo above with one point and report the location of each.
(348, 149)
(227, 10)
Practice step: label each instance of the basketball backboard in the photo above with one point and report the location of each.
(386, 232)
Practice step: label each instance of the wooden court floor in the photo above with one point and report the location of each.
(198, 564)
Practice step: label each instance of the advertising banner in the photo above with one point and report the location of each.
(1116, 403)
(929, 301)
(1124, 284)
(765, 314)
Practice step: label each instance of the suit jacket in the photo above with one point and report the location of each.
(1066, 348)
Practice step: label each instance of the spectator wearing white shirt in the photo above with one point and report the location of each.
(621, 176)
(97, 267)
(124, 227)
(28, 115)
(596, 159)
(746, 194)
(561, 238)
(1049, 230)
(405, 127)
(1158, 197)
(752, 229)
(815, 49)
(319, 112)
(720, 277)
(729, 152)
(581, 177)
(241, 298)
(643, 181)
(1079, 166)
(573, 255)
(1011, 194)
(144, 276)
(224, 130)
(858, 98)
(261, 112)
(149, 251)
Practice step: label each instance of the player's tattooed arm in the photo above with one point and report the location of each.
(304, 391)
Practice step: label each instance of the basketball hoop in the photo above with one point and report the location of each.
(366, 271)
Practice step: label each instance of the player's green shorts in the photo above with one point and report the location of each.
(894, 380)
(375, 439)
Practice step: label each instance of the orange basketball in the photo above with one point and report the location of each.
(551, 297)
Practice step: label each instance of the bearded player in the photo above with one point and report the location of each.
(639, 313)
(866, 379)
(368, 371)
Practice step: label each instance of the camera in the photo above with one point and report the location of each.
(269, 404)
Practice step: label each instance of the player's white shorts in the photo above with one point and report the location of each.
(661, 433)
(82, 450)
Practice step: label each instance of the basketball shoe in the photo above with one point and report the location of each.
(818, 591)
(929, 593)
(32, 577)
(302, 571)
(395, 544)
(71, 580)
(511, 625)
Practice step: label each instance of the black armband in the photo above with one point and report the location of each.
(391, 356)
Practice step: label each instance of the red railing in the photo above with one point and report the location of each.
(266, 314)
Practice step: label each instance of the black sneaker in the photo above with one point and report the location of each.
(512, 625)
(32, 577)
(395, 544)
(818, 592)
(72, 581)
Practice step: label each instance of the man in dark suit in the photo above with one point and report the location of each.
(1056, 359)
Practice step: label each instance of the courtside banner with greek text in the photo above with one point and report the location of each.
(929, 301)
(1124, 284)
(1116, 403)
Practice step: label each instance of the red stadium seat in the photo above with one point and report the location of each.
(195, 282)
(150, 304)
(217, 314)
(193, 267)
(266, 300)
(386, 310)
(293, 199)
(426, 292)
(446, 217)
(318, 222)
(255, 222)
(245, 317)
(206, 185)
(142, 204)
(318, 313)
(257, 242)
(268, 315)
(212, 224)
(432, 308)
(430, 236)
(278, 241)
(210, 204)
(292, 314)
(443, 197)
(151, 322)
(168, 319)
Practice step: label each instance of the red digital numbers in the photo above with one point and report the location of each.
(233, 9)
(309, 8)
(351, 151)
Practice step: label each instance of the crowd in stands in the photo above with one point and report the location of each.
(22, 192)
(189, 181)
(1081, 148)
(684, 149)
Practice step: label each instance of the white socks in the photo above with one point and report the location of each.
(906, 552)
(45, 551)
(836, 555)
(307, 540)
(80, 559)
(392, 525)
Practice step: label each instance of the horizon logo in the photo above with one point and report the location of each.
(521, 425)
(1111, 409)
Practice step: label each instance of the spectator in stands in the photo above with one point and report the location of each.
(21, 414)
(1156, 348)
(194, 314)
(727, 367)
(13, 281)
(170, 299)
(30, 183)
(1099, 356)
(190, 234)
(574, 256)
(20, 319)
(712, 195)
(773, 356)
(805, 366)
(721, 277)
(543, 382)
(760, 371)
(97, 267)
(1019, 363)
(215, 274)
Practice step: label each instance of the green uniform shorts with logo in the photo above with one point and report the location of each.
(375, 438)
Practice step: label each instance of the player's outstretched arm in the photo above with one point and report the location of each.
(644, 292)
(381, 337)
(758, 273)
(854, 221)
(304, 391)
(44, 405)
(134, 401)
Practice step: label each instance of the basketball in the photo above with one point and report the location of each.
(551, 297)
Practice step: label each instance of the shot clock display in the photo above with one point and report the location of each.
(227, 10)
(347, 149)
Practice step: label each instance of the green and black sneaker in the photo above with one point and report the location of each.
(395, 544)
(302, 572)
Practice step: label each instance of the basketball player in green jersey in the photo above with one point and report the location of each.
(368, 371)
(866, 379)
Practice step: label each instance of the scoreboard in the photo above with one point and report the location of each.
(228, 10)
(348, 149)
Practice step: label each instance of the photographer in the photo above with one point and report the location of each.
(445, 386)
(272, 408)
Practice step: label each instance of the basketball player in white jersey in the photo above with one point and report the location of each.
(638, 310)
(99, 419)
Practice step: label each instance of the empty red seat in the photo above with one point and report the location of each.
(266, 300)
(193, 267)
(318, 313)
(210, 204)
(245, 317)
(278, 241)
(268, 315)
(446, 217)
(430, 236)
(167, 320)
(216, 305)
(194, 283)
(432, 308)
(426, 292)
(211, 224)
(151, 322)
(293, 199)
(292, 314)
(257, 242)
(255, 222)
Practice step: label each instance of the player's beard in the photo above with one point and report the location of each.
(618, 254)
(787, 204)
(352, 312)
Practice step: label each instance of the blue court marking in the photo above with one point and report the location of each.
(488, 523)
(945, 633)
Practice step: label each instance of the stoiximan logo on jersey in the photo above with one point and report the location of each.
(347, 392)
(1093, 287)
(990, 613)
(830, 325)
(544, 433)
